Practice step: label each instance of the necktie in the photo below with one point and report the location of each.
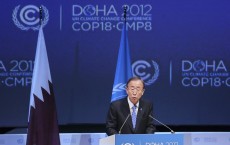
(134, 116)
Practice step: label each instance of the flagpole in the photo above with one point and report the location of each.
(43, 123)
(40, 14)
(125, 12)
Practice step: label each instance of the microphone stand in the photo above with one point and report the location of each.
(162, 124)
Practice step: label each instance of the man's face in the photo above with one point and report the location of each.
(135, 90)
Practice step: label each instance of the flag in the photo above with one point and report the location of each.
(123, 68)
(42, 118)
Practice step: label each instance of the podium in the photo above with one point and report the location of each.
(143, 139)
(162, 138)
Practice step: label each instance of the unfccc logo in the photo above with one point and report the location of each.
(28, 17)
(148, 72)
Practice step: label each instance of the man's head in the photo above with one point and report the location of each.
(135, 88)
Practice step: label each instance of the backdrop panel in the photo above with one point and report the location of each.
(180, 49)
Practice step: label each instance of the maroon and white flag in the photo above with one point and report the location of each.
(42, 118)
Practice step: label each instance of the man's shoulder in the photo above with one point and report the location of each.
(145, 101)
(120, 101)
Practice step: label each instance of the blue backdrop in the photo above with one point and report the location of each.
(180, 48)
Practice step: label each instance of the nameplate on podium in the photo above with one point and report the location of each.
(143, 139)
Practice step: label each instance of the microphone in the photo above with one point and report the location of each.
(124, 123)
(162, 124)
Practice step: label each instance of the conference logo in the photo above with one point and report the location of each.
(15, 73)
(20, 141)
(210, 140)
(127, 144)
(109, 17)
(147, 71)
(88, 10)
(196, 139)
(205, 73)
(68, 140)
(28, 17)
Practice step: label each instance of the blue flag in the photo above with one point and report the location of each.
(123, 69)
(42, 119)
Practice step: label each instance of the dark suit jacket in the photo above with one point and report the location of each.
(118, 112)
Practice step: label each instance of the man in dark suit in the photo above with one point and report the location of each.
(119, 118)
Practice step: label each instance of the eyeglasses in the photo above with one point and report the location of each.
(135, 88)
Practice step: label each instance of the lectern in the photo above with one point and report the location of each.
(143, 139)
